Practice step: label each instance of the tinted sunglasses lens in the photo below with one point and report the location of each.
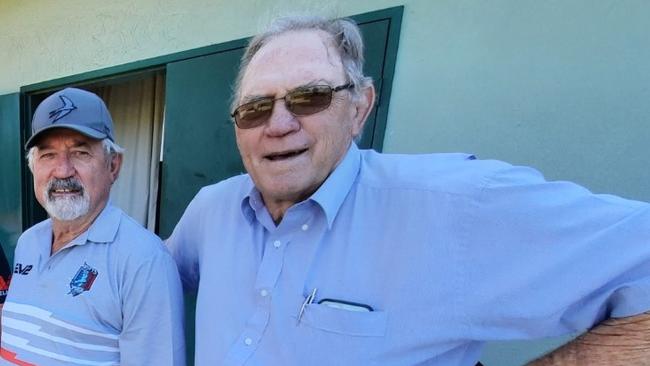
(253, 114)
(309, 100)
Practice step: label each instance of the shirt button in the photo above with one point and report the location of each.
(305, 227)
(264, 293)
(277, 243)
(248, 341)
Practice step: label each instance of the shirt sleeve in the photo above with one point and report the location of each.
(183, 245)
(552, 258)
(153, 332)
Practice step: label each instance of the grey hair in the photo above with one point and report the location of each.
(110, 148)
(346, 38)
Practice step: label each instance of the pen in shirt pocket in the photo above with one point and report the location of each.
(308, 300)
(334, 304)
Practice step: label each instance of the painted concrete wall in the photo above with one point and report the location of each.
(560, 85)
(46, 39)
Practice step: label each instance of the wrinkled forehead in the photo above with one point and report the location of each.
(64, 137)
(292, 59)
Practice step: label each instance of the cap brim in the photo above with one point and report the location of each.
(86, 131)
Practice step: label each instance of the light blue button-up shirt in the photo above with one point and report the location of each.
(448, 252)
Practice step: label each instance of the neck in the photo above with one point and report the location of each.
(65, 231)
(277, 210)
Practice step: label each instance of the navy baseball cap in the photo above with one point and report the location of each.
(74, 109)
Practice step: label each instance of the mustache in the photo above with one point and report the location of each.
(66, 184)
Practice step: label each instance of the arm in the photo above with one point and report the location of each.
(579, 258)
(152, 307)
(183, 245)
(622, 341)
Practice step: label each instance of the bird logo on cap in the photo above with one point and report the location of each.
(64, 110)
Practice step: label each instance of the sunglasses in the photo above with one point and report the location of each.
(301, 101)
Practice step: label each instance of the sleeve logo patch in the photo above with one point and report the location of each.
(83, 280)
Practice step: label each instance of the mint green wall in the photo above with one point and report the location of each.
(560, 85)
(48, 39)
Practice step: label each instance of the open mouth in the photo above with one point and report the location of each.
(64, 188)
(64, 191)
(285, 155)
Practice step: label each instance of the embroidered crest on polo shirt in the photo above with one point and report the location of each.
(83, 280)
(64, 110)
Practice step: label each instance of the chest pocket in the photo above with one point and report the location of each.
(353, 323)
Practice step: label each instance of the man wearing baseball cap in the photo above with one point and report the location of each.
(90, 285)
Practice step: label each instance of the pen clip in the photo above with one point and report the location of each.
(308, 300)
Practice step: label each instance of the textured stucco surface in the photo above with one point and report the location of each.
(46, 39)
(554, 84)
(560, 85)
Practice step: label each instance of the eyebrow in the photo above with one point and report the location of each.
(255, 97)
(76, 144)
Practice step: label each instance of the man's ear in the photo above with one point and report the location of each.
(114, 166)
(363, 107)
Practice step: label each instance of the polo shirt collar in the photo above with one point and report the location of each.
(103, 229)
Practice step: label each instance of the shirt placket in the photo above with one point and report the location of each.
(265, 285)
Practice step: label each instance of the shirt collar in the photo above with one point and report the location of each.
(251, 202)
(330, 194)
(103, 229)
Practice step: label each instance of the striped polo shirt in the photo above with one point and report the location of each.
(112, 295)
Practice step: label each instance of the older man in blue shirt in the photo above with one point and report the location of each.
(325, 254)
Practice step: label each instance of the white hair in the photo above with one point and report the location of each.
(346, 38)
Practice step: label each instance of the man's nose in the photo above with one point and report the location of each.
(281, 122)
(64, 167)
